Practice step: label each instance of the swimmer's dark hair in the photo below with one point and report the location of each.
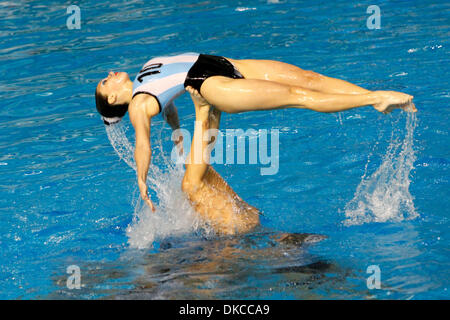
(107, 110)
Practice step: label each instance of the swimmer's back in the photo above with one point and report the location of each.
(163, 77)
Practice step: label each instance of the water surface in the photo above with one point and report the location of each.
(67, 199)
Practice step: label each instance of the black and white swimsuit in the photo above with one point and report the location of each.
(166, 77)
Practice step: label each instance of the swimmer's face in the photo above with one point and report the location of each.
(116, 88)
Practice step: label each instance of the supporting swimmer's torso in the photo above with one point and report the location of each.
(163, 77)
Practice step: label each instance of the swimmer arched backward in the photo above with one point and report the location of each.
(231, 86)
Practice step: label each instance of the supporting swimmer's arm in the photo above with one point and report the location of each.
(141, 109)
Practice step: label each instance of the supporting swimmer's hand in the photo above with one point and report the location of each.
(196, 96)
(390, 100)
(144, 194)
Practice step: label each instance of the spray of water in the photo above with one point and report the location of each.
(384, 195)
(174, 214)
(118, 138)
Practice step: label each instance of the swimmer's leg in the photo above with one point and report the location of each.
(289, 74)
(241, 95)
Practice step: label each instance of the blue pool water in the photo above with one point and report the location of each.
(375, 185)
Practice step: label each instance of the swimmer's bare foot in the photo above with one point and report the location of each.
(390, 100)
(196, 96)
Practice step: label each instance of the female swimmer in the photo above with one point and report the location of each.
(218, 84)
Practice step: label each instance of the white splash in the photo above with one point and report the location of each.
(240, 9)
(384, 195)
(174, 215)
(119, 141)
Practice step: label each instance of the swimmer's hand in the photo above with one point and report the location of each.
(144, 195)
(390, 100)
(196, 96)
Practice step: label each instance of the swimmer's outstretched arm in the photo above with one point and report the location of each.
(141, 109)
